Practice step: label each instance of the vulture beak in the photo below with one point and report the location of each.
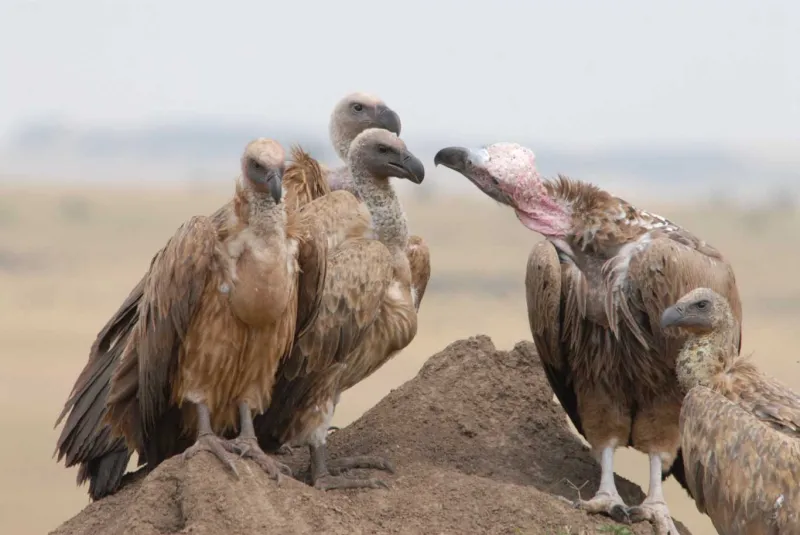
(471, 163)
(672, 317)
(274, 181)
(387, 119)
(408, 166)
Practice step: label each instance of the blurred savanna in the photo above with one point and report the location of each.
(68, 256)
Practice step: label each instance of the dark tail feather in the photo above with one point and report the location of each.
(104, 473)
(678, 472)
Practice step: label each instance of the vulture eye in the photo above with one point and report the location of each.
(358, 107)
(383, 149)
(256, 167)
(702, 304)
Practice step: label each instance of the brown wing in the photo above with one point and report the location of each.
(661, 273)
(773, 403)
(543, 290)
(359, 273)
(741, 473)
(303, 181)
(419, 259)
(140, 387)
(358, 276)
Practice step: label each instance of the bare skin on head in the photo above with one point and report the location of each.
(353, 114)
(596, 289)
(226, 298)
(367, 315)
(740, 428)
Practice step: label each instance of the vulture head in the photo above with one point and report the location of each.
(700, 311)
(382, 154)
(712, 344)
(355, 113)
(262, 167)
(506, 172)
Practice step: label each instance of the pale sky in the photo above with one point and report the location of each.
(561, 71)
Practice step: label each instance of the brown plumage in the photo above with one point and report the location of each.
(215, 318)
(596, 289)
(367, 314)
(740, 429)
(85, 439)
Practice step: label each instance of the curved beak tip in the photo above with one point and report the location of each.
(389, 119)
(670, 317)
(452, 157)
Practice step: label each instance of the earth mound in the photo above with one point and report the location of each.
(478, 444)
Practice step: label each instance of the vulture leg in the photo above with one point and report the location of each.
(327, 475)
(607, 500)
(208, 441)
(323, 479)
(654, 508)
(246, 445)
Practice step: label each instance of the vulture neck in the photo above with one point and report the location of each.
(545, 212)
(265, 217)
(705, 357)
(388, 218)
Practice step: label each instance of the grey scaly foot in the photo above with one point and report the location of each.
(329, 482)
(343, 464)
(248, 448)
(217, 446)
(607, 503)
(657, 513)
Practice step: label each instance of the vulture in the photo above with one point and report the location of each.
(368, 313)
(596, 288)
(85, 438)
(740, 429)
(218, 313)
(353, 114)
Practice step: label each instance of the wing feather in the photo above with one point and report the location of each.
(303, 181)
(173, 287)
(419, 259)
(665, 270)
(359, 274)
(543, 290)
(741, 473)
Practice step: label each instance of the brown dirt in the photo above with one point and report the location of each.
(479, 447)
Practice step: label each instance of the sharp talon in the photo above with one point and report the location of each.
(248, 448)
(329, 482)
(343, 464)
(620, 514)
(214, 445)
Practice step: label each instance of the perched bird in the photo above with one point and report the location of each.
(353, 114)
(740, 429)
(216, 317)
(596, 288)
(85, 439)
(367, 314)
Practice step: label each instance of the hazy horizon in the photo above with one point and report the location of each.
(572, 74)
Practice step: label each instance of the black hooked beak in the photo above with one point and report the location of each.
(409, 167)
(387, 118)
(274, 180)
(672, 317)
(455, 158)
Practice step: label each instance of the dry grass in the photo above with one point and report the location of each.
(68, 258)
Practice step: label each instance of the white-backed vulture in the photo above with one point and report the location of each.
(596, 288)
(216, 317)
(367, 314)
(350, 116)
(353, 114)
(740, 429)
(85, 439)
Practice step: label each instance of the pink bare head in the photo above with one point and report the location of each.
(507, 173)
